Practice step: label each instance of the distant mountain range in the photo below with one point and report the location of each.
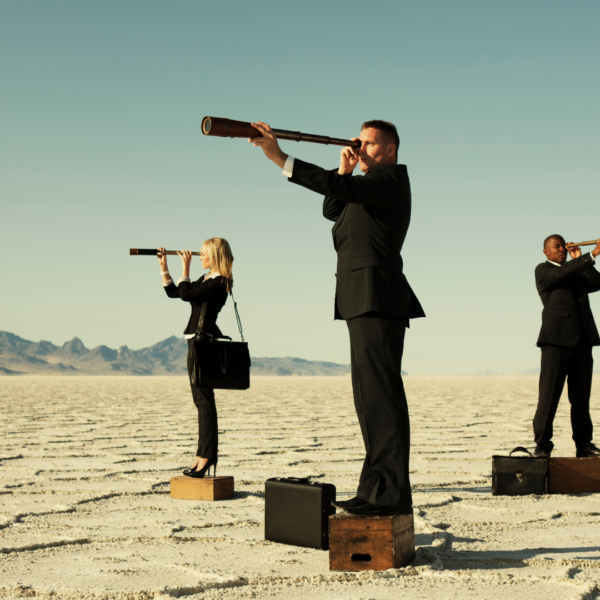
(22, 357)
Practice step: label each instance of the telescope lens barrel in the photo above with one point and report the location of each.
(206, 125)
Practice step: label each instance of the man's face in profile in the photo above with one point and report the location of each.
(555, 250)
(375, 150)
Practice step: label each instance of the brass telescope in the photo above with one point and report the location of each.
(593, 242)
(153, 252)
(239, 129)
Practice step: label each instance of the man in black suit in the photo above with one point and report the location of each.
(371, 215)
(566, 339)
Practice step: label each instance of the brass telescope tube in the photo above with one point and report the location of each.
(153, 252)
(593, 242)
(218, 127)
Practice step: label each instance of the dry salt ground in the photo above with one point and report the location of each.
(85, 510)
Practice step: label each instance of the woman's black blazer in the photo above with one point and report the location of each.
(198, 292)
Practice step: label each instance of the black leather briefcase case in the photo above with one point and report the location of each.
(297, 512)
(519, 476)
(220, 364)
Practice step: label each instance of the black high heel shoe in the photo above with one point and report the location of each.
(187, 472)
(211, 462)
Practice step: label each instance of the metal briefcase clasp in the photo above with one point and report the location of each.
(519, 477)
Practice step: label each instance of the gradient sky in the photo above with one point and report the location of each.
(101, 150)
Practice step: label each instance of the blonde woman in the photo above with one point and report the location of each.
(212, 288)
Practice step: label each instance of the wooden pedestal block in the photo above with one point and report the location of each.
(370, 543)
(207, 488)
(574, 475)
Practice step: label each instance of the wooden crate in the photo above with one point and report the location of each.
(370, 543)
(574, 475)
(207, 488)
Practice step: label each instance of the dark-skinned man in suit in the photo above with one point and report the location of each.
(566, 338)
(371, 215)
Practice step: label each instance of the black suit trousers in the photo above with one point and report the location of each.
(576, 365)
(377, 343)
(204, 399)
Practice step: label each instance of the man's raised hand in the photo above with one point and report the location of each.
(348, 160)
(574, 251)
(268, 143)
(596, 250)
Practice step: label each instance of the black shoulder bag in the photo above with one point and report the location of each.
(218, 363)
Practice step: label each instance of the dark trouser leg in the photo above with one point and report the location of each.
(555, 366)
(579, 383)
(208, 431)
(377, 343)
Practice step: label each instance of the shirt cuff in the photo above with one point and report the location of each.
(593, 257)
(167, 283)
(288, 168)
(184, 279)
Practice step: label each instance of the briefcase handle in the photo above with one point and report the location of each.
(520, 449)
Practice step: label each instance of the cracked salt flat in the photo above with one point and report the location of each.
(85, 510)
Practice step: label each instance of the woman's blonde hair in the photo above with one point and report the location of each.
(221, 258)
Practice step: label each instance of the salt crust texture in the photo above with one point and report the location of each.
(85, 510)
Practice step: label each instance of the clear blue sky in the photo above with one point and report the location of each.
(101, 150)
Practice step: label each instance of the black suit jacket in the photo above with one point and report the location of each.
(564, 292)
(196, 293)
(371, 215)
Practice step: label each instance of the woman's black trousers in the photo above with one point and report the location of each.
(204, 399)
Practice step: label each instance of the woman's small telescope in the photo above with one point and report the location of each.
(239, 129)
(153, 252)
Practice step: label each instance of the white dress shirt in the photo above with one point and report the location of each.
(288, 168)
(559, 265)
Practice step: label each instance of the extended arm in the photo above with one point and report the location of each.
(377, 188)
(198, 294)
(548, 277)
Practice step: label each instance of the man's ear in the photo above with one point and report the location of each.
(545, 252)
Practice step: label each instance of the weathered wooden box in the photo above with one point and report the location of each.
(574, 475)
(207, 488)
(370, 543)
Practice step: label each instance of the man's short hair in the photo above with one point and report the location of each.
(553, 237)
(388, 129)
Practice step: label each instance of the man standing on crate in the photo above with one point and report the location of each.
(566, 339)
(371, 215)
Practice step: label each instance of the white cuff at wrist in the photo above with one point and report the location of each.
(164, 272)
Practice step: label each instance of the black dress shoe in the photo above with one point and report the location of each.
(187, 472)
(352, 503)
(542, 452)
(588, 451)
(211, 462)
(370, 510)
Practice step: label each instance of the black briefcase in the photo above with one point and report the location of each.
(297, 512)
(218, 363)
(519, 476)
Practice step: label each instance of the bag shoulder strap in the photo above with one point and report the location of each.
(237, 316)
(202, 318)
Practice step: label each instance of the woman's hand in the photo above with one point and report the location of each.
(162, 259)
(186, 259)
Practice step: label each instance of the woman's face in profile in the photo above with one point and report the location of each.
(205, 258)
